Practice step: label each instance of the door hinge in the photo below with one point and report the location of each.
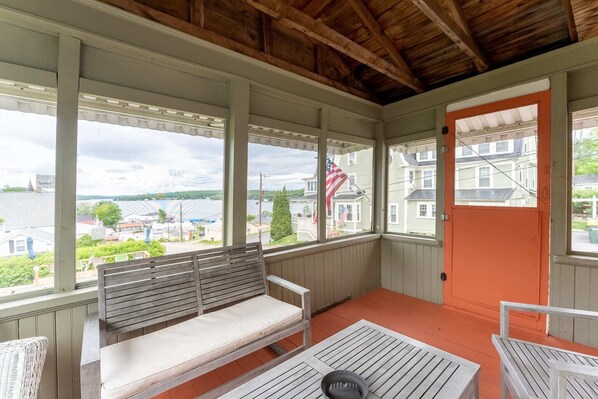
(443, 217)
(443, 149)
(443, 276)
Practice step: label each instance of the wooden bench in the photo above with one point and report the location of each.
(220, 294)
(531, 370)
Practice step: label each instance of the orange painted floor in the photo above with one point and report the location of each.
(456, 332)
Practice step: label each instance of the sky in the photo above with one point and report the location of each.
(119, 160)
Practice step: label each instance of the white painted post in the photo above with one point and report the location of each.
(594, 207)
(322, 153)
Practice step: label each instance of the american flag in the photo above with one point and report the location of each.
(343, 216)
(335, 178)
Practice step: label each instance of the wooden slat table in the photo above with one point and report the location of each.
(394, 366)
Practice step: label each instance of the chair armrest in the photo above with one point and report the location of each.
(304, 292)
(559, 372)
(505, 307)
(90, 358)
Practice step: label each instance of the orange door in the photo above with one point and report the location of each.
(497, 203)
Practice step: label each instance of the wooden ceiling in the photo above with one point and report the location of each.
(381, 50)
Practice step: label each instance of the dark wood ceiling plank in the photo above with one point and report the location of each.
(376, 30)
(204, 34)
(302, 22)
(434, 11)
(196, 12)
(571, 25)
(267, 39)
(315, 7)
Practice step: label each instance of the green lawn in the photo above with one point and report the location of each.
(288, 240)
(579, 225)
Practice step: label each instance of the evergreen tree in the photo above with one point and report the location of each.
(281, 216)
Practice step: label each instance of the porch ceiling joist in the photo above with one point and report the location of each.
(378, 33)
(293, 18)
(571, 24)
(454, 30)
(204, 34)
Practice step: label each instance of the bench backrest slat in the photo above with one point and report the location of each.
(233, 274)
(144, 292)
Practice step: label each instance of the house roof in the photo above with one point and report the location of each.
(480, 194)
(27, 209)
(36, 234)
(383, 50)
(585, 179)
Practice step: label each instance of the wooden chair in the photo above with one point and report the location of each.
(531, 370)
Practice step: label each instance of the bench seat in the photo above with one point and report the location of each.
(134, 365)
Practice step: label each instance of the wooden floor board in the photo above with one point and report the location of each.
(456, 332)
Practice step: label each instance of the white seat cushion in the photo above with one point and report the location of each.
(131, 366)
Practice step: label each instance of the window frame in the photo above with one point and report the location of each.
(430, 178)
(352, 182)
(352, 158)
(430, 207)
(478, 176)
(390, 207)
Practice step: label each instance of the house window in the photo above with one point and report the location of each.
(352, 158)
(502, 146)
(283, 162)
(426, 210)
(484, 177)
(428, 179)
(484, 148)
(409, 185)
(348, 198)
(352, 181)
(466, 151)
(393, 213)
(27, 186)
(152, 179)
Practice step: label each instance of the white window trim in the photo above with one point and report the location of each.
(428, 210)
(352, 158)
(490, 176)
(390, 206)
(352, 177)
(357, 210)
(423, 178)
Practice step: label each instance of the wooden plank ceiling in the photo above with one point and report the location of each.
(381, 50)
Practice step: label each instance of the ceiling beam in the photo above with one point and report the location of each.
(315, 7)
(196, 12)
(454, 31)
(293, 18)
(267, 39)
(570, 20)
(376, 30)
(204, 34)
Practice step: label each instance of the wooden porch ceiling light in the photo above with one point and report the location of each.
(293, 18)
(455, 28)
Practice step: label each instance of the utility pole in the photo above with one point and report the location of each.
(259, 216)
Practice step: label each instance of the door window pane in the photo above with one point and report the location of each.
(27, 187)
(284, 166)
(410, 190)
(349, 187)
(149, 182)
(496, 156)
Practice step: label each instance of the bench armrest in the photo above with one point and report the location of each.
(90, 358)
(559, 372)
(505, 307)
(304, 292)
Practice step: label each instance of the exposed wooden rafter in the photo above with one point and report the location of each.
(204, 34)
(293, 18)
(315, 7)
(376, 30)
(196, 12)
(570, 20)
(267, 40)
(454, 31)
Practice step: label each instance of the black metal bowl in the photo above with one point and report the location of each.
(340, 384)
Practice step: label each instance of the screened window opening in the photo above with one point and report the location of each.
(27, 187)
(411, 188)
(149, 182)
(349, 188)
(584, 182)
(496, 156)
(282, 188)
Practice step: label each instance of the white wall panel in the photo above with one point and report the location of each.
(351, 124)
(282, 109)
(28, 48)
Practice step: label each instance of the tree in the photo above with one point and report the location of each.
(9, 189)
(251, 217)
(161, 216)
(281, 216)
(2, 221)
(108, 212)
(585, 154)
(83, 208)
